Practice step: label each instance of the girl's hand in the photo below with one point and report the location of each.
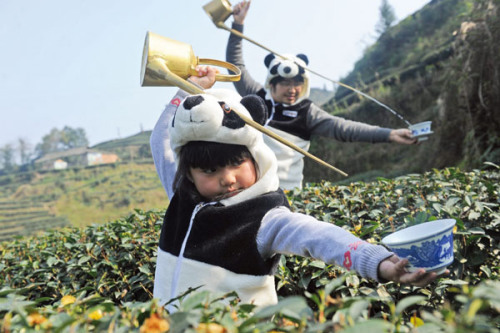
(205, 77)
(393, 269)
(240, 11)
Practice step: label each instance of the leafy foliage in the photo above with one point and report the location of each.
(100, 278)
(115, 260)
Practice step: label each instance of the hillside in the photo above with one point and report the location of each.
(320, 96)
(440, 64)
(130, 148)
(39, 200)
(139, 139)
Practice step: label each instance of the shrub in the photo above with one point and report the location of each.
(101, 277)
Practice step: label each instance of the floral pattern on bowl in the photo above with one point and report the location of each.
(421, 130)
(428, 245)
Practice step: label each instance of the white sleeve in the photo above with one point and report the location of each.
(298, 234)
(163, 155)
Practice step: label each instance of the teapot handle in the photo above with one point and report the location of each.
(220, 63)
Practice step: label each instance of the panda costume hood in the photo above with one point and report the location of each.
(214, 245)
(287, 69)
(209, 117)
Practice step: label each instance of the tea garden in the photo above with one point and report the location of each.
(100, 278)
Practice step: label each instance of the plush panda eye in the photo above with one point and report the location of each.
(225, 107)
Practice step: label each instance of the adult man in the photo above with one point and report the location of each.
(291, 114)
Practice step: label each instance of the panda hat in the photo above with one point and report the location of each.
(287, 68)
(209, 117)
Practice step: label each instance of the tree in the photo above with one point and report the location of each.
(387, 17)
(73, 137)
(145, 151)
(59, 140)
(7, 157)
(25, 152)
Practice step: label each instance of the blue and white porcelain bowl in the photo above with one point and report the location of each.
(428, 245)
(421, 131)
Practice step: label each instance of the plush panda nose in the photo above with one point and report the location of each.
(287, 69)
(191, 101)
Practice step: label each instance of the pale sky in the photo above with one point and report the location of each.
(77, 62)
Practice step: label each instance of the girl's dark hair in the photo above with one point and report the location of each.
(205, 155)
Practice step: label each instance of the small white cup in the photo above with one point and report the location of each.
(422, 130)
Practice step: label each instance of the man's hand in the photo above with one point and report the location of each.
(240, 11)
(402, 136)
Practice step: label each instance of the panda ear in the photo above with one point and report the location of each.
(257, 108)
(303, 57)
(268, 59)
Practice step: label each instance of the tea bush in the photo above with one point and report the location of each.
(100, 278)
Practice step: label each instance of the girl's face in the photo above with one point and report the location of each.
(224, 182)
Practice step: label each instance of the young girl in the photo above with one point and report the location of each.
(228, 221)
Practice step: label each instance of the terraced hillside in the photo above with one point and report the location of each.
(36, 200)
(26, 218)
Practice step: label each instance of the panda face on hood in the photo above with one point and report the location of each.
(210, 117)
(288, 68)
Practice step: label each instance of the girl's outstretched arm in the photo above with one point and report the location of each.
(294, 233)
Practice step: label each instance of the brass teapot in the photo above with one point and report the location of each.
(218, 10)
(166, 61)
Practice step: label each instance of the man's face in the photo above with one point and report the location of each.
(286, 91)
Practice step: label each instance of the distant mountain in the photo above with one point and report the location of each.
(439, 64)
(320, 96)
(138, 139)
(130, 148)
